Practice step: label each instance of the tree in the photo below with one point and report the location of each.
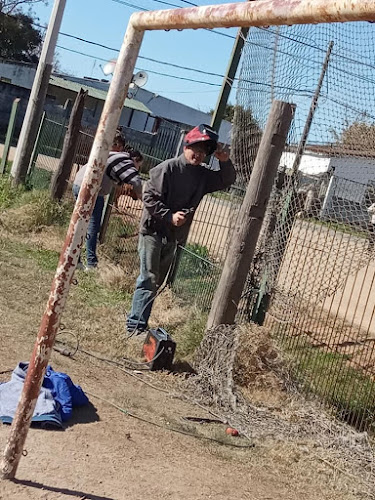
(228, 113)
(11, 6)
(19, 40)
(359, 135)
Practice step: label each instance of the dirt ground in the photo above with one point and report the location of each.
(107, 454)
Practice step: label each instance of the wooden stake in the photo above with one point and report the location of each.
(60, 179)
(250, 219)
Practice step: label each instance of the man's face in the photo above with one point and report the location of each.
(196, 153)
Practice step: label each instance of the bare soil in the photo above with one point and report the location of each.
(107, 454)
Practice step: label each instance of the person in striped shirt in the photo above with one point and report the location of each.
(122, 168)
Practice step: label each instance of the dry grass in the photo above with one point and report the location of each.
(282, 414)
(95, 312)
(114, 276)
(33, 211)
(168, 310)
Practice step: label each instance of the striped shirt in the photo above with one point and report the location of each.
(120, 169)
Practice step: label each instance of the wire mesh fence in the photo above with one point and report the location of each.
(313, 272)
(312, 277)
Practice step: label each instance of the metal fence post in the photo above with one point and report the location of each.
(9, 136)
(35, 152)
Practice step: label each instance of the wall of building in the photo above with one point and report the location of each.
(8, 93)
(20, 74)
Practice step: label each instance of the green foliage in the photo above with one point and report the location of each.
(43, 211)
(329, 376)
(228, 112)
(197, 277)
(19, 40)
(191, 333)
(39, 179)
(192, 263)
(8, 194)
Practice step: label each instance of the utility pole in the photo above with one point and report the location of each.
(250, 219)
(37, 97)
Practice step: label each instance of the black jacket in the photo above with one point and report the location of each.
(176, 185)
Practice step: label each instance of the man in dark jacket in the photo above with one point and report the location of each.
(170, 198)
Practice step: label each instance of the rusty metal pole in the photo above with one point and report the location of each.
(260, 13)
(71, 249)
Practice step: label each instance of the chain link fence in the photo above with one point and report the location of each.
(313, 276)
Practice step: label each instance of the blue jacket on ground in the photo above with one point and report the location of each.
(46, 409)
(58, 395)
(64, 391)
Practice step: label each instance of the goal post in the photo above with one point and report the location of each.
(245, 14)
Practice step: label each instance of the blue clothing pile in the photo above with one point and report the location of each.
(57, 398)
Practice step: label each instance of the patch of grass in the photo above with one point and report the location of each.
(197, 277)
(329, 376)
(190, 334)
(39, 179)
(95, 294)
(44, 258)
(8, 194)
(222, 195)
(33, 210)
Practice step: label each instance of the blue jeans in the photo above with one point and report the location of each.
(156, 257)
(93, 228)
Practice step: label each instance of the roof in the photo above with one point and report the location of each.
(101, 95)
(338, 150)
(311, 164)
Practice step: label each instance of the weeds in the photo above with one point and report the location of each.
(8, 194)
(329, 376)
(33, 210)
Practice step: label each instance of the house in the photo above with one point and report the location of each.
(16, 80)
(344, 180)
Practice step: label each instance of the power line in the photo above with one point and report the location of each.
(136, 7)
(252, 82)
(131, 5)
(148, 70)
(165, 63)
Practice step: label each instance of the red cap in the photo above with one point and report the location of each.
(202, 133)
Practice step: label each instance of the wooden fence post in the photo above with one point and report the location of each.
(61, 177)
(9, 136)
(250, 219)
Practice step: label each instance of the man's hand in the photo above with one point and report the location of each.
(178, 219)
(221, 153)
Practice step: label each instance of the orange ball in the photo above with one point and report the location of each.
(231, 432)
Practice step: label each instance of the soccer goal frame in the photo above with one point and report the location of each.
(246, 14)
